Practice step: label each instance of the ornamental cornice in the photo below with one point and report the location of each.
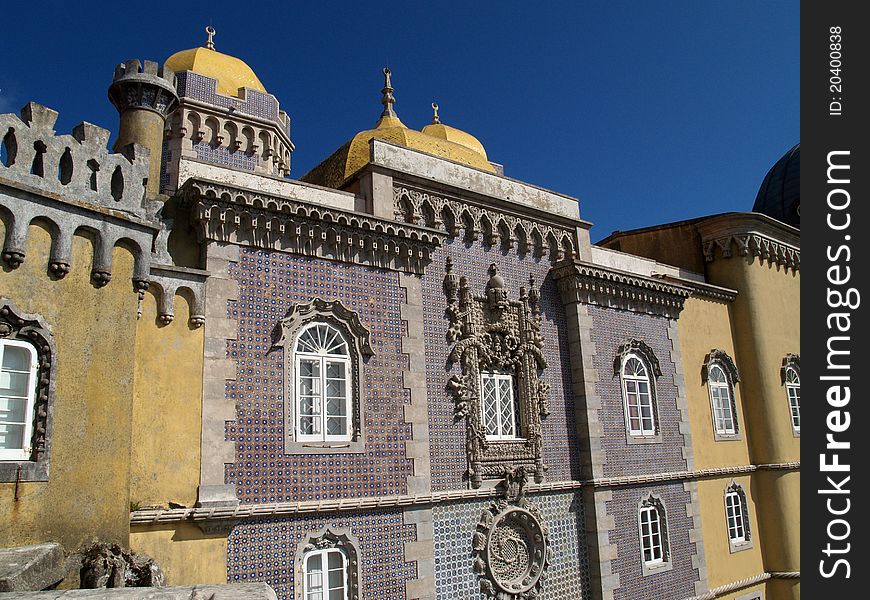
(751, 235)
(229, 214)
(592, 284)
(541, 234)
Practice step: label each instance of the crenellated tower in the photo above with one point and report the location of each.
(144, 94)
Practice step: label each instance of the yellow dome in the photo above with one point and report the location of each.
(451, 134)
(447, 142)
(231, 73)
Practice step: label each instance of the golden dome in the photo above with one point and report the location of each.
(448, 143)
(451, 134)
(231, 73)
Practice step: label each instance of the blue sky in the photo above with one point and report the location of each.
(648, 112)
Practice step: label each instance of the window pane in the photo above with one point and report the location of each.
(336, 388)
(336, 577)
(12, 410)
(335, 407)
(335, 370)
(336, 426)
(309, 406)
(14, 384)
(11, 436)
(490, 405)
(15, 358)
(309, 368)
(307, 425)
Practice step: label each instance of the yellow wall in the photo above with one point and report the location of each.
(87, 494)
(724, 566)
(704, 325)
(167, 408)
(186, 555)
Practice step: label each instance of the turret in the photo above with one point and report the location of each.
(144, 95)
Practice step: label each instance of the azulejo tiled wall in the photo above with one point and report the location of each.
(679, 581)
(270, 283)
(472, 260)
(610, 329)
(568, 572)
(226, 157)
(202, 88)
(265, 550)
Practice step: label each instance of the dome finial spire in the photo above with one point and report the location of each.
(210, 32)
(387, 98)
(435, 119)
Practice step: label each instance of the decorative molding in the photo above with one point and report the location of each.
(734, 586)
(167, 281)
(493, 225)
(341, 540)
(247, 217)
(490, 332)
(357, 335)
(724, 360)
(702, 289)
(30, 328)
(583, 282)
(637, 347)
(791, 361)
(511, 545)
(753, 236)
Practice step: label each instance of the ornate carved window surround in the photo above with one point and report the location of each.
(359, 346)
(15, 325)
(791, 379)
(646, 355)
(651, 501)
(328, 539)
(721, 359)
(491, 333)
(739, 511)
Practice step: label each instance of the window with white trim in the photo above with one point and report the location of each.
(793, 391)
(323, 384)
(500, 406)
(721, 400)
(325, 575)
(18, 379)
(651, 535)
(638, 395)
(737, 517)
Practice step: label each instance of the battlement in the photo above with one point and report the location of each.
(75, 168)
(143, 85)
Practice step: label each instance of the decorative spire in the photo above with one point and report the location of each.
(435, 119)
(210, 41)
(387, 98)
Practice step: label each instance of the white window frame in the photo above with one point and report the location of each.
(322, 358)
(793, 393)
(625, 380)
(512, 402)
(324, 589)
(724, 391)
(648, 543)
(23, 453)
(735, 518)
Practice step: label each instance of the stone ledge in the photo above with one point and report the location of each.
(30, 567)
(241, 591)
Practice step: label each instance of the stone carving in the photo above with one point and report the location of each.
(345, 544)
(592, 284)
(637, 347)
(791, 361)
(493, 226)
(493, 333)
(359, 345)
(30, 328)
(726, 362)
(754, 244)
(109, 566)
(511, 545)
(239, 216)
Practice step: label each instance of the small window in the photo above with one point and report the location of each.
(793, 390)
(638, 395)
(722, 400)
(18, 379)
(325, 573)
(323, 371)
(651, 535)
(499, 406)
(737, 518)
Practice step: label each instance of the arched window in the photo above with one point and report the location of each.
(721, 375)
(791, 379)
(325, 574)
(654, 543)
(638, 393)
(323, 371)
(737, 518)
(500, 406)
(18, 379)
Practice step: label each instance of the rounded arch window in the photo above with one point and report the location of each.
(637, 391)
(323, 371)
(722, 400)
(18, 380)
(793, 390)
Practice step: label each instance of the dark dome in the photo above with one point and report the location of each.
(780, 193)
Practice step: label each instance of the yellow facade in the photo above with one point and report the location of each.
(184, 552)
(94, 332)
